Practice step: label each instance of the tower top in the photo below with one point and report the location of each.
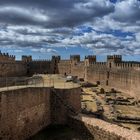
(114, 58)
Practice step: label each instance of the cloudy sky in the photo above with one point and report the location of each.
(62, 27)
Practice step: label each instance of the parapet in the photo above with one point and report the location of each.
(128, 65)
(26, 58)
(5, 57)
(41, 61)
(114, 58)
(56, 58)
(91, 58)
(75, 58)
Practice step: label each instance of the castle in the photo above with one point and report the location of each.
(27, 109)
(115, 73)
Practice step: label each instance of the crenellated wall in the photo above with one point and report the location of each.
(115, 73)
(9, 67)
(123, 76)
(5, 57)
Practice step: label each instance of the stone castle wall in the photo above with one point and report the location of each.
(114, 73)
(123, 79)
(12, 69)
(64, 67)
(59, 108)
(41, 67)
(5, 57)
(24, 112)
(78, 69)
(97, 72)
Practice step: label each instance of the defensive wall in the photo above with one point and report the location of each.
(114, 73)
(123, 76)
(10, 67)
(39, 66)
(25, 111)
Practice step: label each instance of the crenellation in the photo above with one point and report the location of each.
(123, 76)
(89, 69)
(75, 58)
(114, 58)
(5, 57)
(90, 59)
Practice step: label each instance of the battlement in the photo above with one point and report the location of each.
(91, 58)
(75, 58)
(99, 65)
(41, 60)
(114, 58)
(128, 65)
(56, 59)
(5, 57)
(26, 58)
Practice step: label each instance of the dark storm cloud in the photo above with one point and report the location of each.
(52, 13)
(127, 11)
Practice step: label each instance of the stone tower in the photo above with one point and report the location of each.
(74, 59)
(54, 65)
(26, 58)
(90, 59)
(111, 59)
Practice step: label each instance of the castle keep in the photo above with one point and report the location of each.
(114, 73)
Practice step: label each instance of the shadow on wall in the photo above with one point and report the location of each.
(59, 132)
(80, 126)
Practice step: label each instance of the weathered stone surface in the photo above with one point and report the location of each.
(23, 112)
(102, 130)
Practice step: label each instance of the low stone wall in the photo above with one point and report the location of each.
(23, 112)
(102, 130)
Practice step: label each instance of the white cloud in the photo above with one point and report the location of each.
(54, 23)
(45, 50)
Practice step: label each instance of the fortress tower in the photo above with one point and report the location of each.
(90, 59)
(26, 58)
(111, 59)
(55, 61)
(74, 59)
